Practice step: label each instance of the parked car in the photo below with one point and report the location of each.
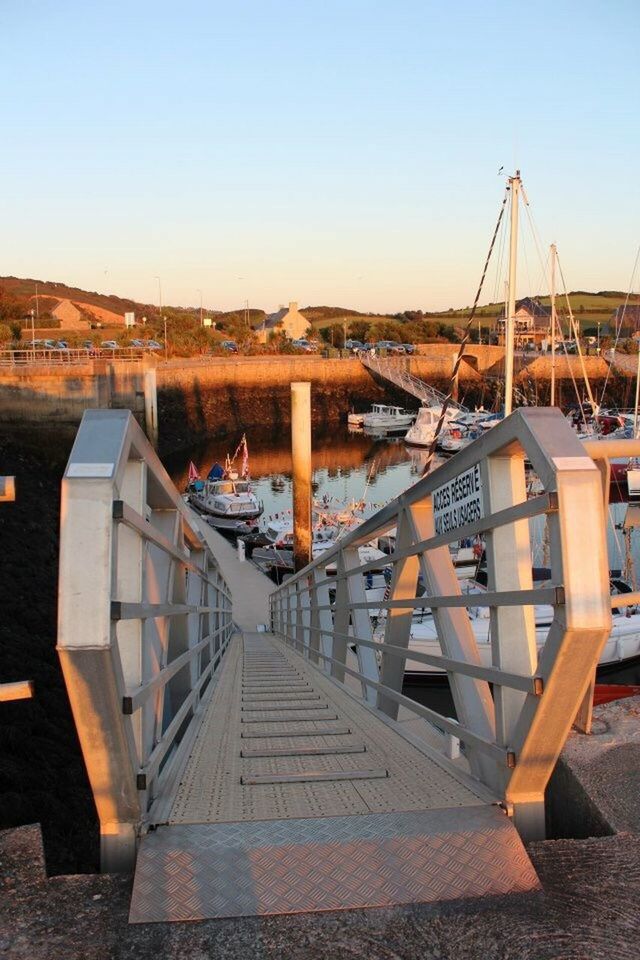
(354, 345)
(62, 345)
(229, 345)
(152, 345)
(390, 346)
(109, 345)
(137, 343)
(305, 345)
(408, 347)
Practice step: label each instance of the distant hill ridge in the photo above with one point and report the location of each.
(88, 306)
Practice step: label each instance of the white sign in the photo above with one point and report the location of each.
(459, 501)
(129, 319)
(90, 470)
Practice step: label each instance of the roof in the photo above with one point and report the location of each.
(273, 319)
(533, 307)
(629, 314)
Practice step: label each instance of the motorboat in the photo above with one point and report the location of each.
(226, 501)
(384, 417)
(423, 431)
(622, 646)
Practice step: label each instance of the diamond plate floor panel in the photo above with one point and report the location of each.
(215, 870)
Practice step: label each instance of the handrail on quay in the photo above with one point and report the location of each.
(25, 356)
(144, 621)
(513, 731)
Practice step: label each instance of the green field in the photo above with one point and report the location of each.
(588, 308)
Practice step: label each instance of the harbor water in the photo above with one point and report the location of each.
(350, 465)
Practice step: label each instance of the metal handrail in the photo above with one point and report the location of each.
(513, 732)
(25, 356)
(395, 370)
(144, 622)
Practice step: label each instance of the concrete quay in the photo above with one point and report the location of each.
(590, 907)
(601, 776)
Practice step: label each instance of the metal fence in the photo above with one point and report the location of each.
(144, 621)
(396, 370)
(512, 716)
(61, 357)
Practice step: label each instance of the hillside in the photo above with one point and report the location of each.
(73, 307)
(585, 306)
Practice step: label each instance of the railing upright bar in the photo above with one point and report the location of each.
(135, 667)
(508, 552)
(367, 662)
(341, 620)
(397, 631)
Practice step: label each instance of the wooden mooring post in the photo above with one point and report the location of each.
(301, 455)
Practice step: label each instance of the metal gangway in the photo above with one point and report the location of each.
(396, 371)
(245, 767)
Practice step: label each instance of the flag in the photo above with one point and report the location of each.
(245, 457)
(193, 472)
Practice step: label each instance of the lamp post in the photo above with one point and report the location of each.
(201, 321)
(162, 317)
(33, 336)
(598, 338)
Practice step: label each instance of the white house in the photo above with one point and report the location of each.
(288, 321)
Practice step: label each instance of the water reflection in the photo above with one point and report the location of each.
(345, 466)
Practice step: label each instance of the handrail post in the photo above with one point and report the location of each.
(367, 663)
(508, 553)
(341, 620)
(404, 583)
(141, 612)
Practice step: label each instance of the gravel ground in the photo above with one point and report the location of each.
(590, 910)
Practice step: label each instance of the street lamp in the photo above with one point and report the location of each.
(598, 338)
(201, 321)
(162, 317)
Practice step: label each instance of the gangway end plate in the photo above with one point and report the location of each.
(215, 870)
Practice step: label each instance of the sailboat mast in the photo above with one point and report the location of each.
(553, 324)
(514, 185)
(635, 409)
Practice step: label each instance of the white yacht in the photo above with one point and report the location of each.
(423, 431)
(227, 503)
(384, 417)
(622, 646)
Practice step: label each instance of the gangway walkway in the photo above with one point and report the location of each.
(236, 770)
(296, 797)
(396, 371)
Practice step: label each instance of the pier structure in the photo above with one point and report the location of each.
(395, 370)
(247, 744)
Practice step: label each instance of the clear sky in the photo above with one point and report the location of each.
(343, 152)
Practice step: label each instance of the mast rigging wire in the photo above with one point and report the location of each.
(464, 341)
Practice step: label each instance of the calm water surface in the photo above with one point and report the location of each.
(353, 466)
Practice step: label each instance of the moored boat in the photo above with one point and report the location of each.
(227, 501)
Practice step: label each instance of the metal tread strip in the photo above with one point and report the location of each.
(279, 719)
(304, 751)
(332, 732)
(276, 705)
(282, 697)
(313, 776)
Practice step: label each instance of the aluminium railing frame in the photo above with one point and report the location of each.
(144, 621)
(396, 370)
(514, 735)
